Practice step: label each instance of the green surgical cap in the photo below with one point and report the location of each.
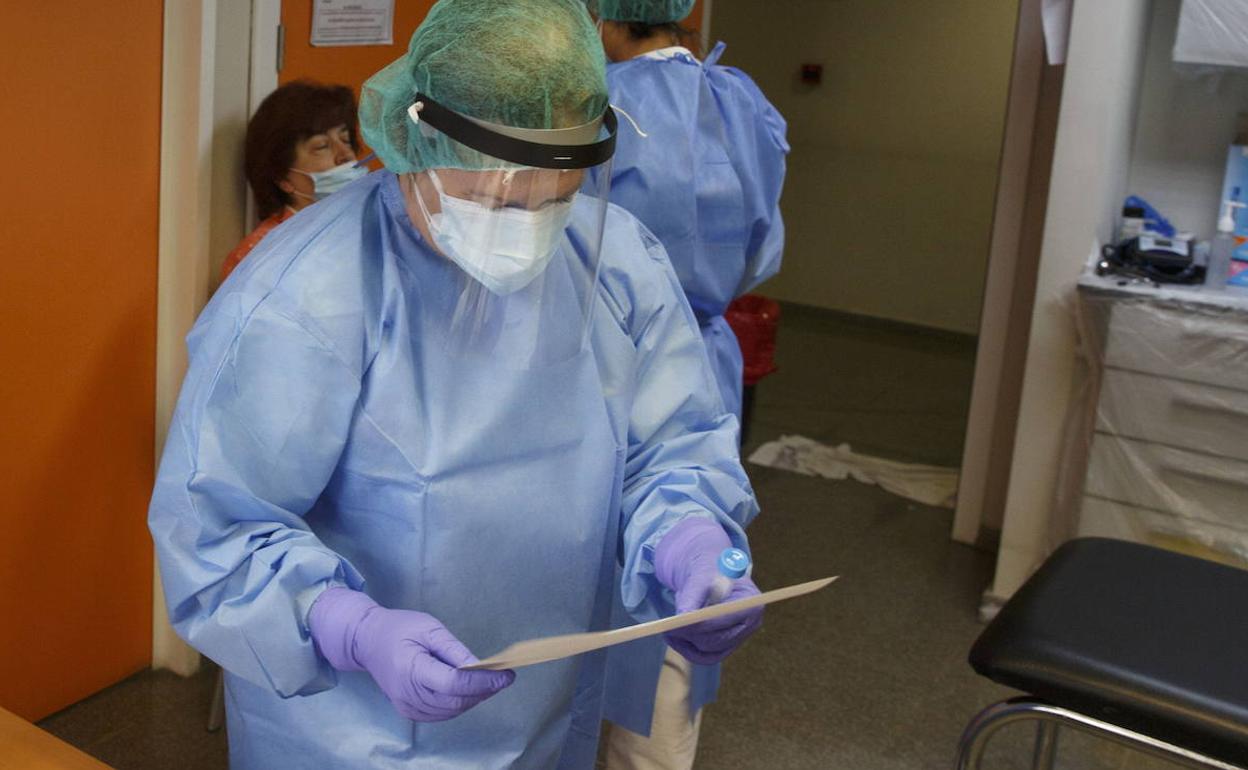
(646, 11)
(519, 63)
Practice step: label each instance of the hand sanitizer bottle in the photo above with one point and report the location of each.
(1218, 271)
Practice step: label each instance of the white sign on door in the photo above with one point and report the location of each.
(352, 22)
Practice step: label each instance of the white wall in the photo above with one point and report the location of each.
(893, 173)
(1090, 171)
(1184, 126)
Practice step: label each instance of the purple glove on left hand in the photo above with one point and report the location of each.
(411, 656)
(687, 561)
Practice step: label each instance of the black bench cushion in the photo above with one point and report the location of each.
(1143, 638)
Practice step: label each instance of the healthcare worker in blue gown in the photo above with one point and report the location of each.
(703, 169)
(427, 418)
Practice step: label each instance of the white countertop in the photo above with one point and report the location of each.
(1233, 298)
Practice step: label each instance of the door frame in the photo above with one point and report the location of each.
(705, 29)
(189, 90)
(183, 259)
(1009, 288)
(267, 40)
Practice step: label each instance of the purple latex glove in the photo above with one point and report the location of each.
(687, 561)
(410, 655)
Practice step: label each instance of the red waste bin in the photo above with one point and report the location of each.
(755, 319)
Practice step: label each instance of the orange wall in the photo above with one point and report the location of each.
(349, 65)
(354, 64)
(77, 331)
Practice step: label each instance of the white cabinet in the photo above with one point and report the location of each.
(1186, 345)
(1131, 122)
(1104, 518)
(1168, 458)
(1204, 418)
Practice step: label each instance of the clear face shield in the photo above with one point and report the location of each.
(519, 230)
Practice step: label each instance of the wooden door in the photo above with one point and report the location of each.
(77, 331)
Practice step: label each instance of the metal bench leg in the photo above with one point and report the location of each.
(975, 738)
(1045, 757)
(986, 724)
(216, 712)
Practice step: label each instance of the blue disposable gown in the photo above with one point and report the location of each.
(325, 435)
(706, 180)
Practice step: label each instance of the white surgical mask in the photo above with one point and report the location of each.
(325, 183)
(503, 248)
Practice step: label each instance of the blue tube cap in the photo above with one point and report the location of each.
(734, 563)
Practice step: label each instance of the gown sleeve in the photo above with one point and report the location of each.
(683, 460)
(261, 422)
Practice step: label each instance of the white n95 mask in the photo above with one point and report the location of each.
(502, 248)
(326, 183)
(527, 278)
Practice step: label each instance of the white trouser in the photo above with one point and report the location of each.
(673, 737)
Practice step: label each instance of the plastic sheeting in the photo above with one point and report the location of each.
(1213, 32)
(1157, 439)
(927, 484)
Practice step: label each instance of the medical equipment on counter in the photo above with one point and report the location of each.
(1235, 180)
(1154, 222)
(1156, 258)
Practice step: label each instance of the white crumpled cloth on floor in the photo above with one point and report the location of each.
(927, 484)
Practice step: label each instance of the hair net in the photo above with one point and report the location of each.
(520, 63)
(647, 11)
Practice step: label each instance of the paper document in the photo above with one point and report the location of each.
(551, 648)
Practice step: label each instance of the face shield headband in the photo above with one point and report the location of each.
(578, 147)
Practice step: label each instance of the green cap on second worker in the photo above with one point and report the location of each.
(645, 11)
